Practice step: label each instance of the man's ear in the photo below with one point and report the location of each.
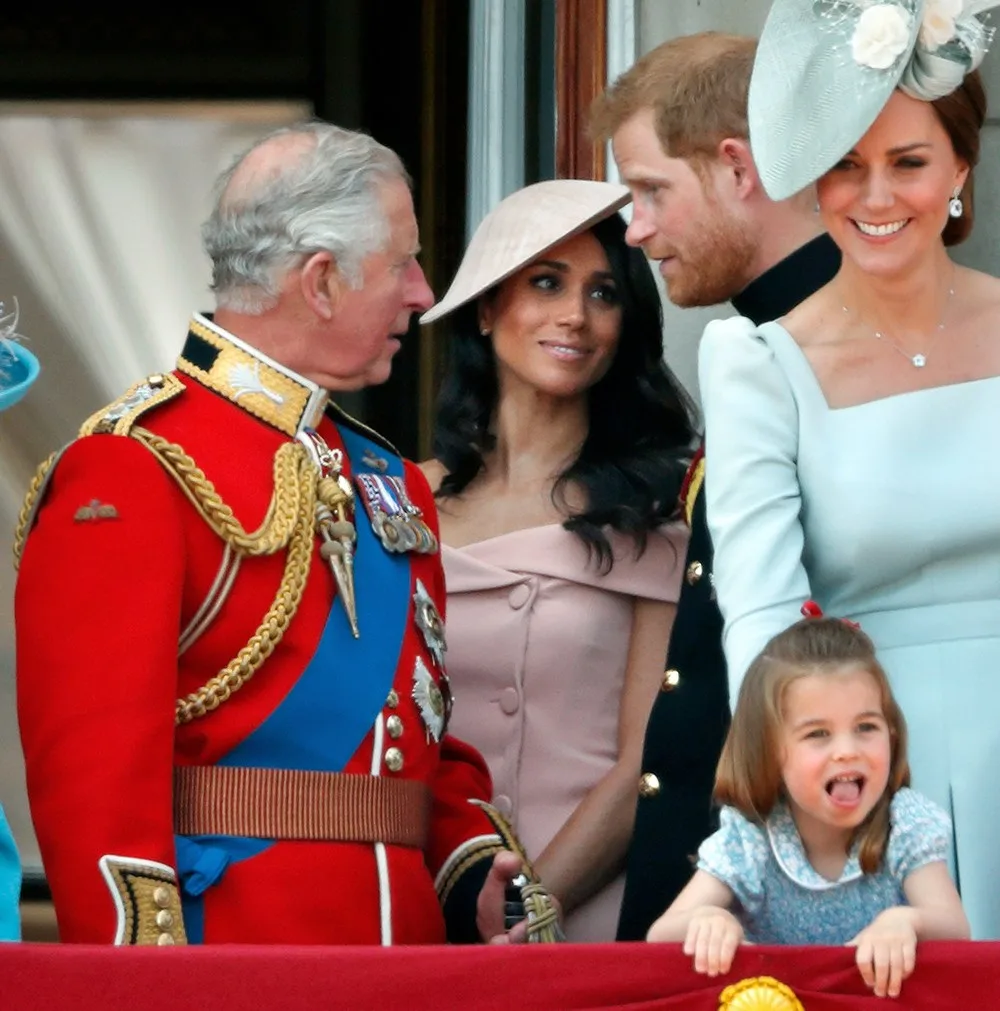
(736, 159)
(321, 284)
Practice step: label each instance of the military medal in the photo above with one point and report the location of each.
(433, 700)
(397, 522)
(379, 463)
(425, 614)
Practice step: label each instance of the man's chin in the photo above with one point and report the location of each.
(372, 375)
(699, 295)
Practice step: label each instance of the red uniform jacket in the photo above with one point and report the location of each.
(112, 630)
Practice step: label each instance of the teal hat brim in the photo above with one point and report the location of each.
(19, 368)
(810, 102)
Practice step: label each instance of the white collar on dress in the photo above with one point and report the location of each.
(789, 851)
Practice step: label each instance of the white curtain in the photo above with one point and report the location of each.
(100, 211)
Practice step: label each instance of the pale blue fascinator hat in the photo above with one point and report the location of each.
(18, 366)
(825, 69)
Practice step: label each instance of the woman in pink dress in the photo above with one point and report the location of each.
(560, 446)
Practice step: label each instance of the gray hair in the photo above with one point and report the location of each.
(326, 196)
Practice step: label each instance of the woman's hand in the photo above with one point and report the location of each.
(887, 950)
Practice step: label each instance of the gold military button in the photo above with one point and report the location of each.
(649, 785)
(164, 919)
(161, 896)
(165, 939)
(694, 572)
(394, 727)
(394, 759)
(671, 679)
(393, 699)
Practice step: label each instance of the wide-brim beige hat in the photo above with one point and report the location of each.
(522, 227)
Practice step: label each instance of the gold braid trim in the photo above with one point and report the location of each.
(245, 664)
(288, 523)
(294, 473)
(27, 513)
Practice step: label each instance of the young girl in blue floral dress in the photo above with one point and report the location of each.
(821, 841)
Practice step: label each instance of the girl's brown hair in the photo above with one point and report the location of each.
(749, 772)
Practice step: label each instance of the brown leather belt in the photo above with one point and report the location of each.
(294, 804)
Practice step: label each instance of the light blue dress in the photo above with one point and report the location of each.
(783, 899)
(887, 513)
(10, 884)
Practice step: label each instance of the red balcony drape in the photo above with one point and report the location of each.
(39, 977)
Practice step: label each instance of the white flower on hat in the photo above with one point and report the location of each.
(937, 27)
(881, 36)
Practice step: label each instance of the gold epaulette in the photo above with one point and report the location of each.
(117, 418)
(120, 416)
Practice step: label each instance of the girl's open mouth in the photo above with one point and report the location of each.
(846, 789)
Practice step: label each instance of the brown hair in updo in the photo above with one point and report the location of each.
(962, 114)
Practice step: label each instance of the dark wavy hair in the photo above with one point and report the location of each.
(638, 443)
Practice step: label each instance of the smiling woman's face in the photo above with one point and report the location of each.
(885, 203)
(555, 324)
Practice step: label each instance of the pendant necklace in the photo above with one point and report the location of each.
(918, 360)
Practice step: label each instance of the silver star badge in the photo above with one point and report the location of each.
(429, 622)
(430, 701)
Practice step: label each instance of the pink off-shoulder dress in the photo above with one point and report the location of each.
(538, 641)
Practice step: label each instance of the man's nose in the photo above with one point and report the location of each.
(419, 295)
(640, 228)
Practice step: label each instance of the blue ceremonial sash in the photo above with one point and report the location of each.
(324, 718)
(330, 709)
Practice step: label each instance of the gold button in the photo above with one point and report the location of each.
(694, 572)
(394, 759)
(165, 939)
(161, 896)
(649, 785)
(394, 727)
(393, 700)
(164, 919)
(671, 679)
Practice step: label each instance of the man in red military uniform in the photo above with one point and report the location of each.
(231, 688)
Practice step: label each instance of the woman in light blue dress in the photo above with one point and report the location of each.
(852, 446)
(18, 370)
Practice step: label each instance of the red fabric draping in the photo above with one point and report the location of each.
(39, 977)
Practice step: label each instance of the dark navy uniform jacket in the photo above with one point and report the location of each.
(690, 717)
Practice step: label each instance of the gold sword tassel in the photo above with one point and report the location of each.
(540, 912)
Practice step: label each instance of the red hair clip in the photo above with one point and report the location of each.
(810, 609)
